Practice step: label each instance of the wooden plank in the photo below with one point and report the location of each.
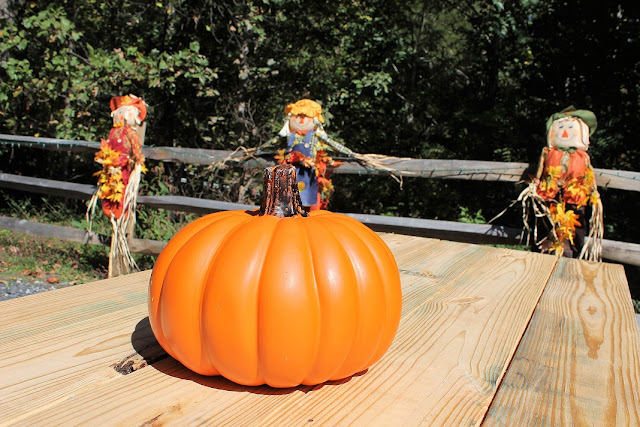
(86, 191)
(46, 186)
(54, 365)
(29, 315)
(192, 204)
(438, 229)
(470, 233)
(49, 230)
(478, 170)
(579, 360)
(164, 394)
(52, 144)
(57, 343)
(427, 266)
(621, 180)
(169, 393)
(422, 168)
(623, 252)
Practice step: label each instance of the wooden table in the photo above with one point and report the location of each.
(488, 336)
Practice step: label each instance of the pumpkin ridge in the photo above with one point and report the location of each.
(314, 286)
(285, 318)
(387, 290)
(385, 302)
(347, 230)
(160, 270)
(328, 236)
(211, 262)
(333, 229)
(214, 219)
(175, 265)
(215, 337)
(260, 370)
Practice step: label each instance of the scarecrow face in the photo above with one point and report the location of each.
(568, 132)
(300, 122)
(126, 115)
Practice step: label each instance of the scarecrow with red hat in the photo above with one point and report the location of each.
(122, 165)
(564, 190)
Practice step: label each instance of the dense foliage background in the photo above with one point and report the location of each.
(472, 79)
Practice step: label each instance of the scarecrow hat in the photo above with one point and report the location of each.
(132, 100)
(305, 107)
(585, 115)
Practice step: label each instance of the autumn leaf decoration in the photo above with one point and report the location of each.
(565, 222)
(111, 186)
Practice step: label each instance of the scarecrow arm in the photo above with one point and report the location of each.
(592, 182)
(543, 158)
(322, 135)
(273, 142)
(136, 147)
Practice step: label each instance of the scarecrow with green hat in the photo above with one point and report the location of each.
(564, 189)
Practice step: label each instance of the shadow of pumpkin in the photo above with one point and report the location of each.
(150, 353)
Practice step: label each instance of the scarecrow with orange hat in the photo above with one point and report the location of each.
(564, 189)
(122, 165)
(304, 144)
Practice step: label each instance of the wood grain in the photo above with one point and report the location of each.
(50, 367)
(25, 316)
(465, 310)
(578, 362)
(57, 343)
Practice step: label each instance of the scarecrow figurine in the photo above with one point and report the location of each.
(122, 165)
(564, 189)
(304, 144)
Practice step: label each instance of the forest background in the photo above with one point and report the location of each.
(439, 79)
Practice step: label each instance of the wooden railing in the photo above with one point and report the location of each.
(623, 252)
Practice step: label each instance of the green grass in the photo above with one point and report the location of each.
(23, 255)
(26, 256)
(33, 257)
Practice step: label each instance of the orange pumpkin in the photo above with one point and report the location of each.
(276, 296)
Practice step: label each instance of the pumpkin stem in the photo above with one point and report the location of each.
(280, 195)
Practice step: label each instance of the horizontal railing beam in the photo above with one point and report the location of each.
(420, 168)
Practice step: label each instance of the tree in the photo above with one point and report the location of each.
(59, 70)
